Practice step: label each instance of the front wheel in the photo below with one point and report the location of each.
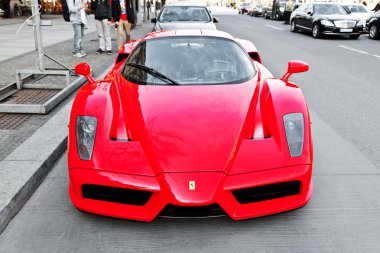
(373, 32)
(293, 26)
(354, 37)
(316, 31)
(277, 16)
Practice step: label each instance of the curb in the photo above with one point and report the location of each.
(26, 167)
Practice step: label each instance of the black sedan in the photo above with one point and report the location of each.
(326, 19)
(373, 25)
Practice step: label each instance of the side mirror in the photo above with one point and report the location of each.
(84, 69)
(153, 20)
(215, 20)
(295, 67)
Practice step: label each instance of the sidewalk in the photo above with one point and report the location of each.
(30, 144)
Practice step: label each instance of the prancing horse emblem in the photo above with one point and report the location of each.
(191, 185)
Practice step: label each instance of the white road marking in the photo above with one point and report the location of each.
(359, 51)
(274, 27)
(354, 50)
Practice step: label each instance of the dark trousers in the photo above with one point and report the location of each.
(287, 16)
(7, 11)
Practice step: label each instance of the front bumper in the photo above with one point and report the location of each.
(341, 31)
(174, 189)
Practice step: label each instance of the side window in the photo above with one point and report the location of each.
(309, 8)
(302, 8)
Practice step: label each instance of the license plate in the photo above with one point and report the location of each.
(346, 30)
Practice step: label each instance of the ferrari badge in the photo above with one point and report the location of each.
(191, 185)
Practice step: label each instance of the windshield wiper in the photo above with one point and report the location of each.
(154, 73)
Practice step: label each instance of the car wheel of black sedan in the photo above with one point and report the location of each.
(316, 31)
(355, 36)
(293, 26)
(373, 32)
(266, 15)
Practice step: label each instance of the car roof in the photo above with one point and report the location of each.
(184, 3)
(196, 32)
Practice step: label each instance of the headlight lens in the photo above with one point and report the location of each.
(360, 23)
(327, 23)
(86, 130)
(294, 129)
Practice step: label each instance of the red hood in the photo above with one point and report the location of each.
(187, 128)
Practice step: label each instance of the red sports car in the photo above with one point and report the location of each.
(189, 123)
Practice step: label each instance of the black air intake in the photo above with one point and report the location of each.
(267, 192)
(192, 211)
(116, 195)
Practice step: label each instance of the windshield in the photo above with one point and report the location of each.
(184, 13)
(329, 9)
(356, 8)
(188, 60)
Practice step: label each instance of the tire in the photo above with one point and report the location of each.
(293, 26)
(355, 36)
(266, 15)
(277, 16)
(373, 32)
(316, 32)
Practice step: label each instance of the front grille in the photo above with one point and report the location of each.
(345, 24)
(173, 211)
(116, 195)
(267, 192)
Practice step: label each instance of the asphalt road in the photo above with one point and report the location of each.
(343, 215)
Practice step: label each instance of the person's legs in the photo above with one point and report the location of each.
(7, 9)
(127, 28)
(81, 38)
(77, 38)
(99, 27)
(120, 40)
(107, 35)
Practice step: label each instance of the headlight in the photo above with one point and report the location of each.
(86, 130)
(360, 23)
(294, 129)
(327, 23)
(282, 9)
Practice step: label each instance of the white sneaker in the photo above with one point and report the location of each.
(83, 52)
(79, 55)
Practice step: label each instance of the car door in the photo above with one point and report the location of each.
(309, 16)
(300, 16)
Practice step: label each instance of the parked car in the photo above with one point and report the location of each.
(359, 10)
(274, 9)
(255, 10)
(189, 124)
(326, 19)
(184, 16)
(373, 25)
(243, 8)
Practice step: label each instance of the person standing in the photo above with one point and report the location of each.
(103, 17)
(7, 8)
(288, 11)
(75, 8)
(124, 16)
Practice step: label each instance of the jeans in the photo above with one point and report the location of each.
(104, 35)
(78, 37)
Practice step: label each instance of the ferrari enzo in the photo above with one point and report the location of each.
(187, 124)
